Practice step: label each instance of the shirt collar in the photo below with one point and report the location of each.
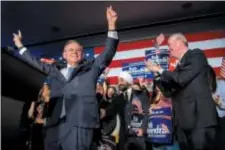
(69, 66)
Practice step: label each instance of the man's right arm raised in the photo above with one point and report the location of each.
(26, 55)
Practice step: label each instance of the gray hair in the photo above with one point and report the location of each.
(180, 37)
(72, 41)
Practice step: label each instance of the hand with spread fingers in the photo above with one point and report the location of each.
(17, 38)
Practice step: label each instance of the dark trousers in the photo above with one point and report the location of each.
(220, 140)
(199, 139)
(135, 143)
(76, 139)
(37, 137)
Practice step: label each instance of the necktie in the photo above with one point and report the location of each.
(126, 96)
(69, 72)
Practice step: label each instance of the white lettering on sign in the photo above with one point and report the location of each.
(160, 129)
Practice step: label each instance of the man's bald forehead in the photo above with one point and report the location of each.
(72, 42)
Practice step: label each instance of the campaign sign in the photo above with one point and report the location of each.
(136, 114)
(137, 69)
(160, 126)
(136, 121)
(158, 56)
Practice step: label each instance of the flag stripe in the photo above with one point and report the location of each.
(149, 42)
(204, 45)
(217, 52)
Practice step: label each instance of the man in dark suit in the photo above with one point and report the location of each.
(73, 108)
(195, 113)
(123, 105)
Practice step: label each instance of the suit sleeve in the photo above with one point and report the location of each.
(26, 55)
(145, 105)
(105, 58)
(192, 66)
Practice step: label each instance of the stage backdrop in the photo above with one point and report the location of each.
(211, 42)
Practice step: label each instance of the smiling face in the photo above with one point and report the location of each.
(178, 45)
(123, 84)
(73, 52)
(174, 46)
(110, 92)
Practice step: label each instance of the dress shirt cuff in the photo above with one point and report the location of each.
(113, 34)
(22, 50)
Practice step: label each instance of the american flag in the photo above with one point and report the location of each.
(212, 43)
(222, 71)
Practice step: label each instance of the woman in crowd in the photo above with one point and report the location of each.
(217, 86)
(37, 113)
(160, 99)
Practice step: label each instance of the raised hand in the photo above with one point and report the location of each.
(159, 39)
(111, 17)
(17, 38)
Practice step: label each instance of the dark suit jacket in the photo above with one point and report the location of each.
(79, 91)
(118, 107)
(189, 87)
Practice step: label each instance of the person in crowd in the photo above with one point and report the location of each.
(37, 113)
(217, 86)
(144, 85)
(102, 86)
(195, 112)
(73, 108)
(158, 101)
(111, 92)
(125, 104)
(104, 95)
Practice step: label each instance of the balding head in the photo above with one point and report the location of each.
(178, 45)
(179, 37)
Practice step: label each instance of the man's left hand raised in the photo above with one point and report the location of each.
(112, 18)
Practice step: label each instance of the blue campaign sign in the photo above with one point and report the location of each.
(160, 126)
(137, 69)
(159, 56)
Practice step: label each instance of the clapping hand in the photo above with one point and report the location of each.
(153, 67)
